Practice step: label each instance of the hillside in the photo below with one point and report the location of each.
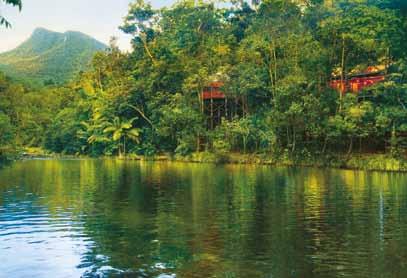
(50, 56)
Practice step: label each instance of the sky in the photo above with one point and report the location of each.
(97, 18)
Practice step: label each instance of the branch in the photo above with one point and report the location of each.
(402, 104)
(144, 41)
(142, 114)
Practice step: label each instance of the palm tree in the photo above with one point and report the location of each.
(91, 131)
(122, 131)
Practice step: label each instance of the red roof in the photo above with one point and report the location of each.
(213, 91)
(356, 84)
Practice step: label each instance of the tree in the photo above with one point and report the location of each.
(7, 136)
(15, 3)
(275, 59)
(6, 130)
(122, 131)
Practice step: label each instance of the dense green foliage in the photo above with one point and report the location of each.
(278, 56)
(50, 57)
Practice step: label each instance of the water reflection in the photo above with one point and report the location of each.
(106, 217)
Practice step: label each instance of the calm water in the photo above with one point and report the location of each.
(95, 218)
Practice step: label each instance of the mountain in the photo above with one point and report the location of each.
(50, 56)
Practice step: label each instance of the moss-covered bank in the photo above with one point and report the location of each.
(7, 155)
(377, 162)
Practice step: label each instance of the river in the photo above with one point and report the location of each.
(112, 218)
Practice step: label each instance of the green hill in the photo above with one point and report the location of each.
(50, 56)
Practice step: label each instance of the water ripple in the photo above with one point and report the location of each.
(94, 218)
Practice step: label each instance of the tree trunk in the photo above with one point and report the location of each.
(124, 146)
(201, 100)
(325, 143)
(275, 65)
(360, 144)
(350, 146)
(212, 125)
(145, 44)
(120, 150)
(342, 73)
(288, 136)
(272, 71)
(198, 143)
(387, 60)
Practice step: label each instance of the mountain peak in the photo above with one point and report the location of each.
(42, 30)
(74, 32)
(49, 55)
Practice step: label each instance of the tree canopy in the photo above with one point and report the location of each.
(275, 60)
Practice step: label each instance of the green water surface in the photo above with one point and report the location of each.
(111, 218)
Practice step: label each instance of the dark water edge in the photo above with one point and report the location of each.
(367, 162)
(113, 218)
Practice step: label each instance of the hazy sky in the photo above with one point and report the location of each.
(97, 18)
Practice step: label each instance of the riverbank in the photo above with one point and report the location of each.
(371, 162)
(7, 155)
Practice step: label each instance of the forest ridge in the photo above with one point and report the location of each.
(48, 57)
(275, 58)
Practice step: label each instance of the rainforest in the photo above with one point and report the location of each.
(273, 81)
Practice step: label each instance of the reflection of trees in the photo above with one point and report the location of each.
(345, 221)
(240, 221)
